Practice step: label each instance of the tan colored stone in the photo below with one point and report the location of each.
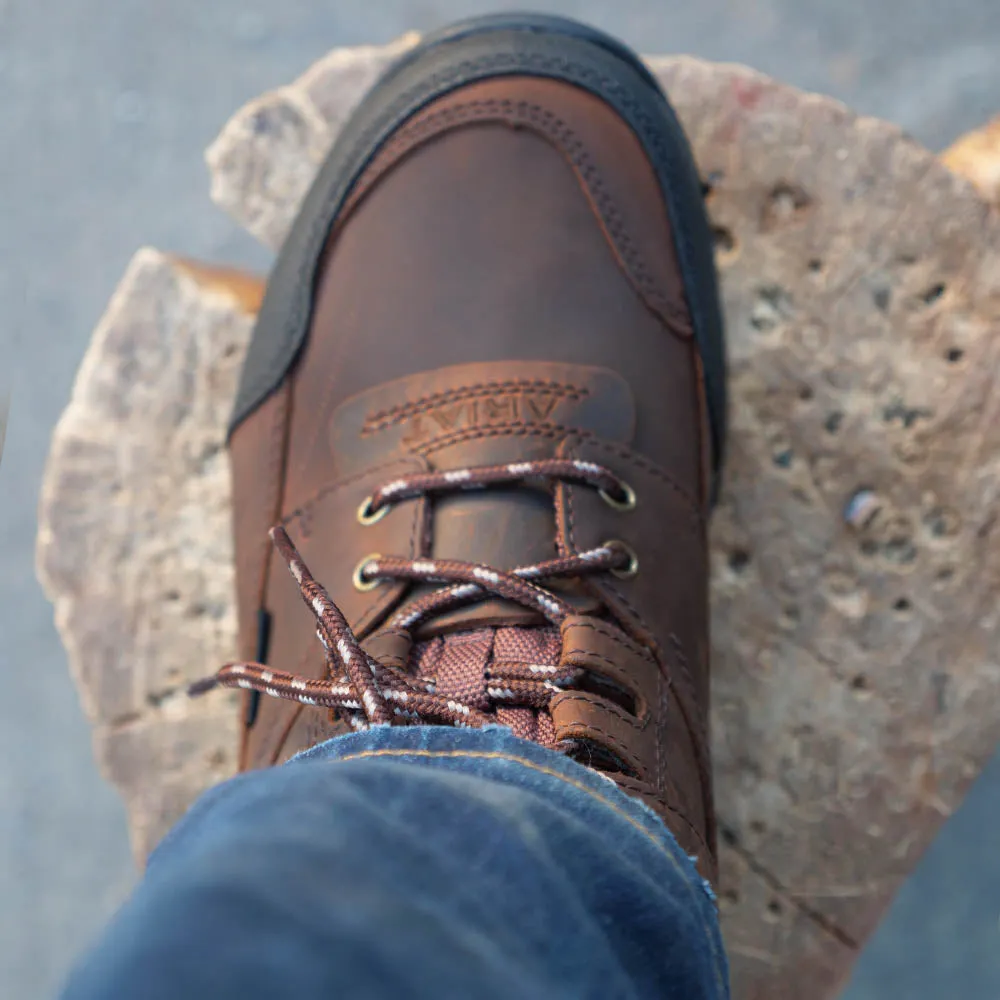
(976, 156)
(245, 290)
(134, 542)
(856, 589)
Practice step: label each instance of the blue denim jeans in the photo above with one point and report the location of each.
(414, 862)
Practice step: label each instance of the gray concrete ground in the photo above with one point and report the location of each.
(107, 106)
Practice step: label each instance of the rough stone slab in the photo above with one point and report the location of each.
(269, 152)
(135, 544)
(856, 591)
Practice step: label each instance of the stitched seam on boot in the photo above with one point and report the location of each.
(501, 430)
(648, 791)
(384, 419)
(553, 128)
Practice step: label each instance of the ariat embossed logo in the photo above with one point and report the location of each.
(446, 413)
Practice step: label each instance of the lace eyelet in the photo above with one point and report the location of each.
(624, 572)
(358, 577)
(367, 516)
(627, 502)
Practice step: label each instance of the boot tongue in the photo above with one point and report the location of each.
(464, 666)
(484, 414)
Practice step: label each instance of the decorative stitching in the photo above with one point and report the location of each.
(559, 503)
(384, 419)
(641, 464)
(612, 709)
(620, 638)
(498, 430)
(661, 778)
(276, 443)
(687, 678)
(662, 708)
(553, 128)
(637, 615)
(401, 633)
(581, 438)
(645, 465)
(570, 495)
(649, 792)
(325, 491)
(698, 734)
(591, 655)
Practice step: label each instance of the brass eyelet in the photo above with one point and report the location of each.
(629, 571)
(358, 578)
(367, 516)
(628, 502)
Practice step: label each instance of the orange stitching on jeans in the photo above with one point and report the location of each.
(579, 785)
(496, 755)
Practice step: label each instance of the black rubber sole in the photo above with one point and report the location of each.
(478, 49)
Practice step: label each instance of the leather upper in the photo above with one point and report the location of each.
(501, 285)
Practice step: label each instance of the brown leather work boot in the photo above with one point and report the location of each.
(485, 403)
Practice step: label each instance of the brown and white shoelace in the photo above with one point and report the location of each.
(521, 676)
